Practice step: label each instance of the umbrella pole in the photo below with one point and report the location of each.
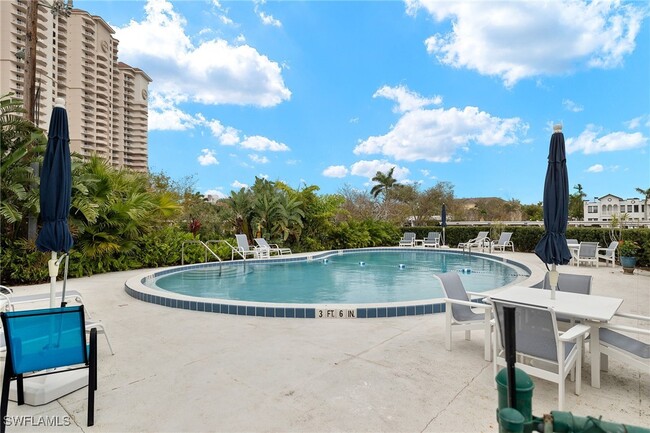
(53, 267)
(553, 277)
(65, 279)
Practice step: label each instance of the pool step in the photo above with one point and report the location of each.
(216, 272)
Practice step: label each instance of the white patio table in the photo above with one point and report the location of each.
(594, 310)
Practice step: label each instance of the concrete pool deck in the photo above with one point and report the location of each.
(179, 370)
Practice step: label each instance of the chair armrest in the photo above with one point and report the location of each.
(625, 328)
(633, 316)
(469, 304)
(477, 294)
(575, 332)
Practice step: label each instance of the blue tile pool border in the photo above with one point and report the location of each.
(136, 288)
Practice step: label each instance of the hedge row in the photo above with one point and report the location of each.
(525, 238)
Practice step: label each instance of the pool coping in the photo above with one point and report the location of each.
(136, 288)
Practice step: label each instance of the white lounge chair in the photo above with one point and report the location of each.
(262, 244)
(587, 253)
(459, 315)
(481, 240)
(9, 303)
(542, 351)
(503, 242)
(432, 240)
(408, 240)
(243, 249)
(608, 254)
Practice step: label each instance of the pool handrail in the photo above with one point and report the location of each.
(207, 249)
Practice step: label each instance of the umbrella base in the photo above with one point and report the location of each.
(45, 389)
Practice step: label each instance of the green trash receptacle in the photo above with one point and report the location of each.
(523, 393)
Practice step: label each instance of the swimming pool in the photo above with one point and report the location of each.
(377, 282)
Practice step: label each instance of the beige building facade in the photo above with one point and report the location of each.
(610, 207)
(77, 60)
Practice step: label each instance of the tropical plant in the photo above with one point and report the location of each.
(646, 196)
(628, 248)
(124, 207)
(21, 145)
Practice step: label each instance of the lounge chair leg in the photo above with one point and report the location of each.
(448, 327)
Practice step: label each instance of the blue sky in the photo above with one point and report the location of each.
(328, 93)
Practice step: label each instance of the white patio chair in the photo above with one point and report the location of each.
(481, 240)
(271, 248)
(625, 347)
(408, 240)
(503, 242)
(608, 254)
(542, 351)
(459, 314)
(587, 253)
(573, 283)
(432, 240)
(243, 249)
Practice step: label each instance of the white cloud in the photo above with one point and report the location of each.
(437, 134)
(261, 144)
(258, 159)
(238, 185)
(339, 171)
(588, 141)
(267, 20)
(572, 106)
(596, 168)
(522, 39)
(406, 99)
(369, 169)
(637, 122)
(207, 157)
(164, 115)
(216, 193)
(227, 135)
(212, 72)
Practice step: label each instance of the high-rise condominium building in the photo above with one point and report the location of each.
(77, 60)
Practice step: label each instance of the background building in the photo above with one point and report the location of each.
(609, 206)
(76, 59)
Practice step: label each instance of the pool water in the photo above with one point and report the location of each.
(348, 278)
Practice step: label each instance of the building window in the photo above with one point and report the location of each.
(629, 208)
(636, 208)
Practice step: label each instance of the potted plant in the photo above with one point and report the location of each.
(627, 251)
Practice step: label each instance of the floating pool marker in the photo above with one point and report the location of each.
(402, 266)
(466, 271)
(325, 261)
(362, 263)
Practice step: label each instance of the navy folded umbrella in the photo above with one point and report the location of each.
(56, 188)
(552, 248)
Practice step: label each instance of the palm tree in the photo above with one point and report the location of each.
(646, 195)
(116, 209)
(384, 183)
(240, 207)
(576, 205)
(21, 143)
